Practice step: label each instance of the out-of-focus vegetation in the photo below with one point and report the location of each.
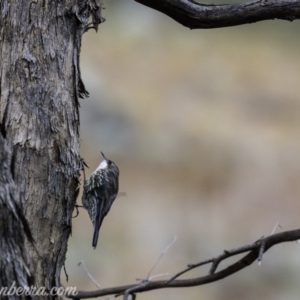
(205, 128)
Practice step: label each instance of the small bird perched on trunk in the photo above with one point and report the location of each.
(100, 191)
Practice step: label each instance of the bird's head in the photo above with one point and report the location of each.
(108, 165)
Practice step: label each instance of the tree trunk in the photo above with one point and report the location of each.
(39, 115)
(13, 258)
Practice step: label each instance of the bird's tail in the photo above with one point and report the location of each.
(98, 223)
(95, 237)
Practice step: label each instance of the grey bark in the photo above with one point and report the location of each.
(39, 115)
(13, 259)
(196, 15)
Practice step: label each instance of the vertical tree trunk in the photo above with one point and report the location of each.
(39, 87)
(13, 258)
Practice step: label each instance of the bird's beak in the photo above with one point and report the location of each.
(105, 158)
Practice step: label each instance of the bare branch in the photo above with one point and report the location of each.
(196, 15)
(252, 250)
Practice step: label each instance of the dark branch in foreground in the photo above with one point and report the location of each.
(254, 252)
(196, 15)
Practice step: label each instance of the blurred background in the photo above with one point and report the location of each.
(205, 128)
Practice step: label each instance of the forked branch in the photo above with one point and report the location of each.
(254, 252)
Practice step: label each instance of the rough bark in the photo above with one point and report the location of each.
(39, 115)
(197, 15)
(13, 258)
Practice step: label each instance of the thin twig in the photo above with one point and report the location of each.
(275, 227)
(228, 253)
(190, 267)
(144, 282)
(88, 273)
(161, 255)
(158, 275)
(262, 246)
(261, 252)
(131, 290)
(90, 276)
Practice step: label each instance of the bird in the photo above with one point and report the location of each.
(99, 193)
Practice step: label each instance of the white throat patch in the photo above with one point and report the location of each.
(103, 165)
